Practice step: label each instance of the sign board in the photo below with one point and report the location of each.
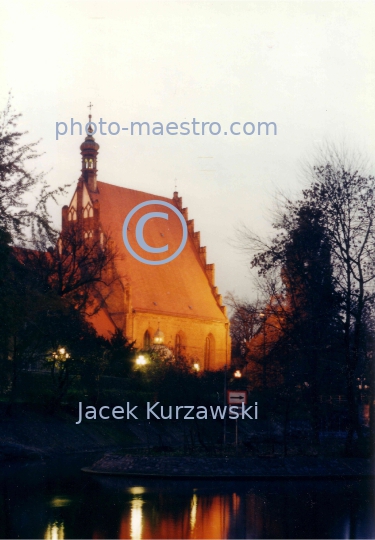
(236, 397)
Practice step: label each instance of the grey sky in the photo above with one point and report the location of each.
(308, 66)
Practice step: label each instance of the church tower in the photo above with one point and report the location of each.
(89, 152)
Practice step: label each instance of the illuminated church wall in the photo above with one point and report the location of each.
(179, 297)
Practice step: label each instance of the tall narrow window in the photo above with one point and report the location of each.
(88, 211)
(72, 216)
(146, 340)
(209, 352)
(178, 345)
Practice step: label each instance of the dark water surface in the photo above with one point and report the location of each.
(54, 500)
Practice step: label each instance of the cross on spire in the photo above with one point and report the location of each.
(90, 106)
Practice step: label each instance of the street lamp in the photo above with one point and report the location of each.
(361, 385)
(237, 374)
(159, 348)
(159, 337)
(141, 360)
(60, 354)
(196, 367)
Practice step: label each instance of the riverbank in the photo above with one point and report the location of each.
(231, 468)
(30, 433)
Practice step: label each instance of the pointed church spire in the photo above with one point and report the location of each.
(89, 152)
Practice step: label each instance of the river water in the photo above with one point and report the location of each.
(54, 500)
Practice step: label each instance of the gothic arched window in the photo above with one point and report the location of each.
(72, 215)
(88, 211)
(209, 352)
(147, 340)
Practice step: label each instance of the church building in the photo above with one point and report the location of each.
(176, 303)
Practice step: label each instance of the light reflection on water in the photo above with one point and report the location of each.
(193, 512)
(55, 531)
(136, 519)
(52, 502)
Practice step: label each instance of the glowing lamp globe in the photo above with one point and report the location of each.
(158, 337)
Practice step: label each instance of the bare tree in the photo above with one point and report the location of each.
(244, 323)
(78, 269)
(340, 199)
(346, 198)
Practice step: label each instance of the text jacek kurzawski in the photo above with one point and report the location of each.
(168, 412)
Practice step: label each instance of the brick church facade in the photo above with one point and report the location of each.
(179, 298)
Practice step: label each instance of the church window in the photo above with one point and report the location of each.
(72, 215)
(88, 211)
(178, 345)
(146, 340)
(209, 352)
(88, 234)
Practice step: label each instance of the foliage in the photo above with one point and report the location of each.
(45, 292)
(18, 183)
(319, 269)
(77, 269)
(244, 324)
(119, 354)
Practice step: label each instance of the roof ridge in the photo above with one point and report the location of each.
(99, 182)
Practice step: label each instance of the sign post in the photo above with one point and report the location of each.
(236, 398)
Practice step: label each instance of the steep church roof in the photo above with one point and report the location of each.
(183, 286)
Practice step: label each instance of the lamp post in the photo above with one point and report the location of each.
(362, 400)
(225, 400)
(238, 375)
(161, 350)
(60, 372)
